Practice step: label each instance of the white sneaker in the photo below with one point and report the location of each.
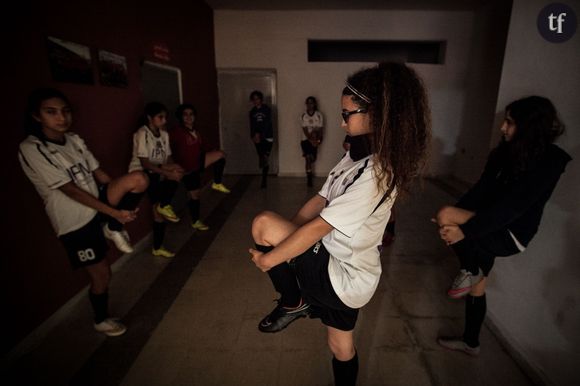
(110, 327)
(118, 238)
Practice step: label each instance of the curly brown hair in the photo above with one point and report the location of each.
(400, 120)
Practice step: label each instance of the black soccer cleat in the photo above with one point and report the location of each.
(281, 317)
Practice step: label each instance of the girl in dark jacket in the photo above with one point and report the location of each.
(501, 213)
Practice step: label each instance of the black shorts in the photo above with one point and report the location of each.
(312, 272)
(87, 245)
(192, 181)
(482, 252)
(308, 149)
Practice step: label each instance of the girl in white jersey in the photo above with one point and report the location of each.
(152, 153)
(325, 262)
(75, 190)
(312, 123)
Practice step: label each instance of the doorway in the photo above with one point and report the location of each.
(162, 83)
(235, 87)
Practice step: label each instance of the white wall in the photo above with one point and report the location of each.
(278, 39)
(534, 298)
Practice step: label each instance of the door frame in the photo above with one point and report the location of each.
(169, 68)
(273, 100)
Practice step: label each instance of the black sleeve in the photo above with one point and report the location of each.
(473, 198)
(519, 197)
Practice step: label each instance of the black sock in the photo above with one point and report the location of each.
(345, 373)
(218, 170)
(128, 202)
(466, 252)
(284, 281)
(158, 234)
(475, 308)
(193, 206)
(100, 304)
(264, 176)
(167, 191)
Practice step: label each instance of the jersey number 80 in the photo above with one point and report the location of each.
(86, 255)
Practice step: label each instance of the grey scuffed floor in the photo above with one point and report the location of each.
(208, 335)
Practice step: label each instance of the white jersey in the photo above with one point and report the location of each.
(50, 166)
(311, 122)
(352, 197)
(147, 145)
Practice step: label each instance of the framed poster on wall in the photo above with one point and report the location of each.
(112, 69)
(69, 62)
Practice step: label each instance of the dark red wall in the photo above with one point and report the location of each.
(35, 276)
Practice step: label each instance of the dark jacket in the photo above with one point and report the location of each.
(261, 122)
(502, 199)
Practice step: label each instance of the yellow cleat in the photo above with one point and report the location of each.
(167, 213)
(162, 252)
(220, 188)
(199, 226)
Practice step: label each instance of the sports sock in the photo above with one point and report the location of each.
(193, 206)
(158, 234)
(218, 170)
(100, 304)
(345, 372)
(128, 202)
(167, 191)
(475, 308)
(284, 281)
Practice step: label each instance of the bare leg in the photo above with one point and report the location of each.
(134, 182)
(270, 229)
(100, 275)
(345, 361)
(451, 215)
(213, 156)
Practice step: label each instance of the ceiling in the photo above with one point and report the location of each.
(453, 5)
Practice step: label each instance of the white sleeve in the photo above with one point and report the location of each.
(140, 144)
(347, 212)
(40, 166)
(324, 190)
(91, 160)
(321, 120)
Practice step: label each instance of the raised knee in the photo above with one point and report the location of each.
(140, 181)
(262, 220)
(342, 352)
(444, 215)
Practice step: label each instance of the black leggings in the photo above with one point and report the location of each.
(481, 253)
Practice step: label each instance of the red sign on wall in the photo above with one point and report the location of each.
(161, 51)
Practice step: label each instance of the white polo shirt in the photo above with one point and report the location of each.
(147, 145)
(352, 196)
(50, 166)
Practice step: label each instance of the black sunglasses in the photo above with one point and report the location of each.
(346, 114)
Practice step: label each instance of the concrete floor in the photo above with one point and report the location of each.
(193, 320)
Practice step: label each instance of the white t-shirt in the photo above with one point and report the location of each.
(352, 195)
(311, 122)
(147, 145)
(50, 166)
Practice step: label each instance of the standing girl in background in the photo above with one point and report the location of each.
(190, 153)
(330, 246)
(75, 190)
(501, 213)
(312, 127)
(152, 153)
(261, 132)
